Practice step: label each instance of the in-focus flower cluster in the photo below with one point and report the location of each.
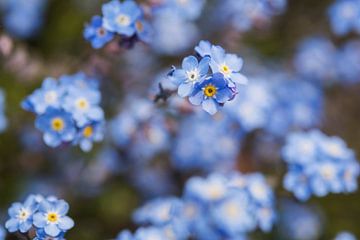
(125, 19)
(47, 216)
(210, 90)
(216, 207)
(345, 16)
(3, 120)
(319, 165)
(68, 111)
(23, 18)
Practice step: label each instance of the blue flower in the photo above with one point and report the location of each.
(345, 16)
(227, 64)
(211, 93)
(52, 217)
(88, 134)
(57, 126)
(96, 33)
(78, 81)
(324, 166)
(345, 236)
(187, 9)
(21, 216)
(49, 95)
(121, 17)
(191, 73)
(83, 105)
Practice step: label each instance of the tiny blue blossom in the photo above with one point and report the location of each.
(345, 16)
(57, 126)
(96, 33)
(21, 216)
(120, 17)
(88, 134)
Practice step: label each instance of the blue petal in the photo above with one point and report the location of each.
(12, 225)
(185, 89)
(52, 140)
(39, 220)
(179, 76)
(65, 223)
(62, 207)
(197, 98)
(223, 95)
(189, 63)
(210, 106)
(204, 66)
(218, 54)
(52, 230)
(234, 62)
(25, 226)
(239, 78)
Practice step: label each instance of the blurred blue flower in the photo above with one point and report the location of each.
(96, 33)
(324, 166)
(348, 62)
(23, 18)
(88, 134)
(120, 17)
(191, 73)
(49, 95)
(144, 30)
(212, 93)
(315, 59)
(79, 81)
(21, 216)
(345, 236)
(52, 217)
(57, 126)
(345, 16)
(203, 48)
(188, 9)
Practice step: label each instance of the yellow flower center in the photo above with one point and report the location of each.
(139, 26)
(52, 217)
(82, 103)
(224, 69)
(210, 90)
(57, 124)
(123, 20)
(88, 131)
(23, 215)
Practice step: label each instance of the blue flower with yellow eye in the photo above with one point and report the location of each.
(84, 106)
(211, 93)
(57, 126)
(21, 216)
(227, 64)
(88, 134)
(49, 95)
(96, 33)
(121, 17)
(52, 217)
(191, 73)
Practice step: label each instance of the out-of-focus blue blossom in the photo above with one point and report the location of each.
(188, 9)
(345, 236)
(3, 120)
(349, 63)
(144, 30)
(315, 59)
(49, 95)
(140, 129)
(253, 107)
(51, 217)
(23, 18)
(191, 73)
(345, 16)
(318, 165)
(57, 126)
(299, 105)
(21, 216)
(203, 48)
(244, 15)
(120, 17)
(192, 150)
(96, 33)
(68, 110)
(299, 222)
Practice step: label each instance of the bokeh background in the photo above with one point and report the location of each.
(99, 186)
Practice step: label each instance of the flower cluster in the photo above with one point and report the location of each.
(123, 18)
(216, 207)
(345, 16)
(3, 121)
(68, 111)
(209, 90)
(23, 18)
(318, 164)
(47, 216)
